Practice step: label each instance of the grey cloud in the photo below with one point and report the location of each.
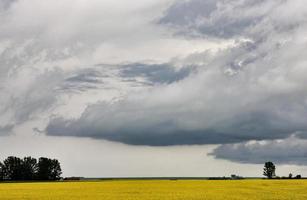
(219, 19)
(86, 77)
(240, 109)
(36, 98)
(5, 4)
(41, 48)
(253, 90)
(155, 73)
(185, 12)
(142, 74)
(155, 135)
(133, 124)
(6, 130)
(83, 80)
(291, 150)
(44, 90)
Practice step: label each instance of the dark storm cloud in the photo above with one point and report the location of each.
(155, 136)
(288, 151)
(253, 90)
(132, 126)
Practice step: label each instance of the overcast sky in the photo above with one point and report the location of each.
(155, 87)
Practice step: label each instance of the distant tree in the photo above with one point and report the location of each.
(56, 170)
(29, 168)
(13, 167)
(298, 176)
(44, 169)
(290, 175)
(2, 174)
(269, 170)
(48, 169)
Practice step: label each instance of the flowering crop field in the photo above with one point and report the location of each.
(157, 190)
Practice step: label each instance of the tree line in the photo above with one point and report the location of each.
(29, 169)
(269, 171)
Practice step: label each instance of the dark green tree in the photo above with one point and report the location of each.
(298, 176)
(269, 170)
(13, 168)
(56, 170)
(48, 169)
(290, 175)
(29, 168)
(2, 174)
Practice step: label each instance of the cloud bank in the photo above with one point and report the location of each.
(158, 73)
(252, 90)
(291, 150)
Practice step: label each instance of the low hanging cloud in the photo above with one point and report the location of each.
(252, 90)
(291, 150)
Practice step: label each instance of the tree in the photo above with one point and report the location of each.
(29, 168)
(2, 174)
(290, 175)
(16, 169)
(269, 170)
(56, 170)
(12, 168)
(298, 176)
(49, 169)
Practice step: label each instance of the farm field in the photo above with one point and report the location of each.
(157, 190)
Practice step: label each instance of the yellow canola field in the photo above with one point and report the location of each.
(157, 190)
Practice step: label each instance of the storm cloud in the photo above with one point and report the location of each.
(158, 73)
(252, 90)
(291, 150)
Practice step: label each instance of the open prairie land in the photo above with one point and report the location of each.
(157, 190)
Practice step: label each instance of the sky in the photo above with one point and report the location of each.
(155, 87)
